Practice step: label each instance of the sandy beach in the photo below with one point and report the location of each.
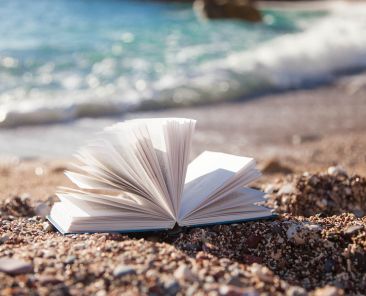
(311, 248)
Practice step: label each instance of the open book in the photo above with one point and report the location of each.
(136, 177)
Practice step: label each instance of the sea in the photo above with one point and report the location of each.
(61, 60)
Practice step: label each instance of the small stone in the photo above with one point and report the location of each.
(296, 291)
(49, 280)
(337, 170)
(79, 246)
(329, 265)
(171, 287)
(263, 273)
(39, 171)
(250, 259)
(293, 233)
(237, 291)
(42, 210)
(287, 189)
(49, 254)
(184, 273)
(253, 241)
(70, 259)
(358, 213)
(269, 189)
(122, 270)
(274, 166)
(4, 239)
(47, 226)
(328, 291)
(14, 266)
(353, 229)
(313, 227)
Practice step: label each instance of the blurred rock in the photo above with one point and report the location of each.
(274, 166)
(122, 270)
(14, 266)
(328, 291)
(184, 273)
(337, 170)
(228, 9)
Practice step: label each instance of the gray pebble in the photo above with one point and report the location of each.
(353, 229)
(14, 266)
(122, 270)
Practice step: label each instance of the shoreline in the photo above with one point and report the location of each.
(287, 125)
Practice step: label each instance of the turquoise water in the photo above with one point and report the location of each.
(113, 55)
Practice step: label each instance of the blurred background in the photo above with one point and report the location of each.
(271, 79)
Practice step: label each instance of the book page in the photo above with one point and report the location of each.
(144, 157)
(209, 173)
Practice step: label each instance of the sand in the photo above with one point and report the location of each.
(293, 135)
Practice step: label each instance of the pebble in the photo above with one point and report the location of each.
(122, 270)
(353, 229)
(296, 291)
(328, 291)
(171, 287)
(227, 290)
(269, 188)
(42, 210)
(14, 266)
(253, 241)
(184, 273)
(49, 280)
(337, 170)
(4, 239)
(70, 259)
(263, 273)
(47, 226)
(287, 189)
(293, 233)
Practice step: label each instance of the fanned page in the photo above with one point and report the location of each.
(130, 178)
(134, 177)
(214, 192)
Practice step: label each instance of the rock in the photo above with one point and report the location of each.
(14, 266)
(274, 166)
(47, 226)
(287, 189)
(270, 188)
(293, 233)
(4, 239)
(351, 230)
(42, 210)
(337, 170)
(263, 273)
(49, 280)
(253, 241)
(296, 291)
(237, 291)
(328, 291)
(329, 265)
(123, 270)
(250, 259)
(49, 254)
(227, 9)
(70, 259)
(171, 287)
(184, 273)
